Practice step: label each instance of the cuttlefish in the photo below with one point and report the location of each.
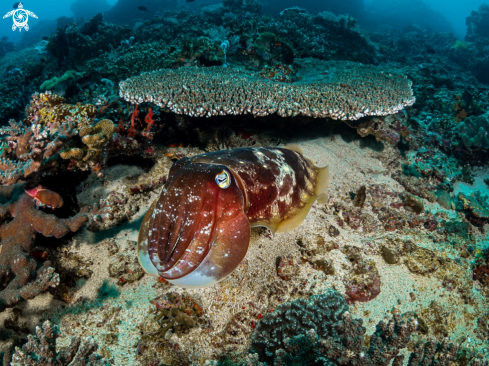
(198, 230)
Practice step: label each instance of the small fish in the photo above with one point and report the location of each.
(16, 5)
(142, 8)
(190, 1)
(197, 231)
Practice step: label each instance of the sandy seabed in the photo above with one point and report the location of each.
(119, 323)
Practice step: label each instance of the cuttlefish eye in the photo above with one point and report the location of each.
(223, 179)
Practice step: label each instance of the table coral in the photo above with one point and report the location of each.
(40, 350)
(340, 92)
(21, 275)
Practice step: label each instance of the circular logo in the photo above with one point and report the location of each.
(20, 18)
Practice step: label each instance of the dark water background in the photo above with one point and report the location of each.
(440, 15)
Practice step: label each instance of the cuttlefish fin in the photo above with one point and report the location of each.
(294, 147)
(296, 220)
(272, 227)
(321, 190)
(322, 184)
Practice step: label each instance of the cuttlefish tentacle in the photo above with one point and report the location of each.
(198, 230)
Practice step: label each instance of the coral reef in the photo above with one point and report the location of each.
(319, 312)
(53, 129)
(474, 131)
(73, 45)
(33, 145)
(22, 276)
(291, 335)
(41, 350)
(477, 24)
(404, 229)
(183, 91)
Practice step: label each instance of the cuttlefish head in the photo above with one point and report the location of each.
(196, 233)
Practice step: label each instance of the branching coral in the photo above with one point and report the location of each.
(346, 90)
(319, 312)
(21, 275)
(40, 350)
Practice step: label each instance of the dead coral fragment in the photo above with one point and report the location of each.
(40, 350)
(364, 283)
(175, 319)
(179, 312)
(422, 261)
(346, 90)
(412, 203)
(125, 265)
(286, 269)
(476, 207)
(360, 197)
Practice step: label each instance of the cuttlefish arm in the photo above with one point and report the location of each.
(198, 230)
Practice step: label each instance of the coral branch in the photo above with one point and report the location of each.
(41, 350)
(21, 276)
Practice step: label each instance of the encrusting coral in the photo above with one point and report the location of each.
(21, 275)
(346, 90)
(40, 350)
(474, 131)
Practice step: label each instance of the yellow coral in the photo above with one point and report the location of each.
(73, 153)
(106, 127)
(93, 141)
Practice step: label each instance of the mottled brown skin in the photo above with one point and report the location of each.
(276, 182)
(196, 233)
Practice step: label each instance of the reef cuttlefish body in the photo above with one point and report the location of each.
(198, 230)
